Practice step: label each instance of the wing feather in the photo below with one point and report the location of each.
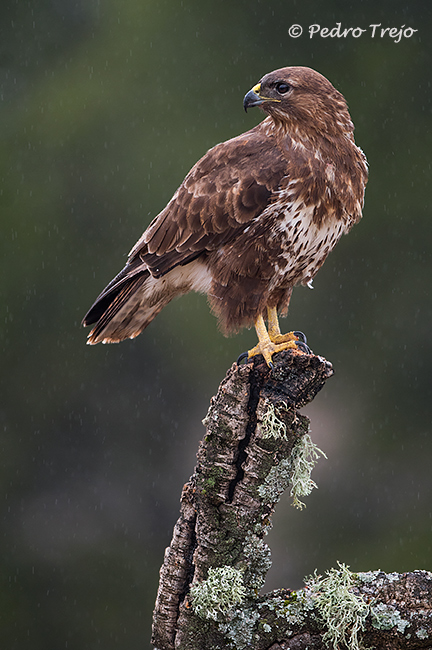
(228, 188)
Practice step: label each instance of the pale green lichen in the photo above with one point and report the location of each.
(378, 577)
(239, 629)
(385, 617)
(392, 577)
(337, 604)
(304, 458)
(223, 590)
(293, 609)
(256, 562)
(276, 482)
(422, 633)
(271, 425)
(342, 612)
(295, 471)
(369, 576)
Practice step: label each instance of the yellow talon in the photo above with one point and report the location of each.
(271, 341)
(269, 349)
(284, 338)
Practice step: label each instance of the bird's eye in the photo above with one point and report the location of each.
(282, 87)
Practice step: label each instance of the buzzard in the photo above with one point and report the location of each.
(254, 217)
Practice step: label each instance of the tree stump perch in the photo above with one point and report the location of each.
(216, 564)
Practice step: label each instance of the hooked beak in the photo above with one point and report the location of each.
(252, 98)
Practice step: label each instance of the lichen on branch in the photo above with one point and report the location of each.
(223, 590)
(256, 446)
(342, 612)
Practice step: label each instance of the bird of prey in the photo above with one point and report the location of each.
(254, 217)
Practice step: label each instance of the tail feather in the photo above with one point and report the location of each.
(132, 300)
(121, 311)
(114, 312)
(117, 284)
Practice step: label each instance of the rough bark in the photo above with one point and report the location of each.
(245, 463)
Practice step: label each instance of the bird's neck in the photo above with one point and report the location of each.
(339, 137)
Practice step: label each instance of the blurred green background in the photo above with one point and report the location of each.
(105, 106)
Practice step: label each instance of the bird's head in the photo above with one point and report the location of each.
(301, 98)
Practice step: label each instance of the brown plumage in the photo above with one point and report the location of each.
(255, 216)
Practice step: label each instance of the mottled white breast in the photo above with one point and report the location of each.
(304, 244)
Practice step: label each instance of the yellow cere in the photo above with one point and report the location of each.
(256, 89)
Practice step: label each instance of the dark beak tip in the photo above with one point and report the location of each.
(251, 99)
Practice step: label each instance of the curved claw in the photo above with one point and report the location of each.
(244, 355)
(303, 347)
(301, 337)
